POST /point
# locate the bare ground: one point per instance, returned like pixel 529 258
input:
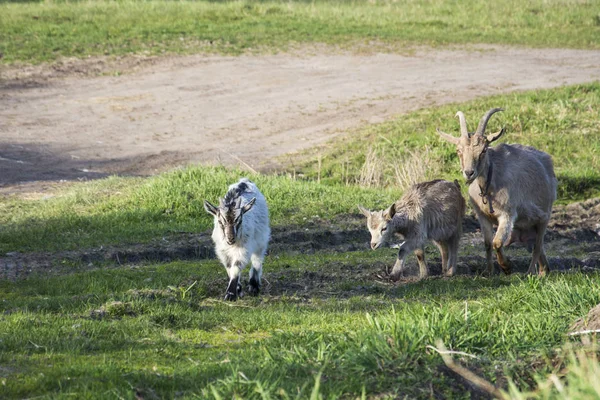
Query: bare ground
pixel 84 119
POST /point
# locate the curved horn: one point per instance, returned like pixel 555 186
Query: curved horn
pixel 463 123
pixel 484 120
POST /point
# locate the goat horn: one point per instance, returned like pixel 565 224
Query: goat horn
pixel 463 123
pixel 484 120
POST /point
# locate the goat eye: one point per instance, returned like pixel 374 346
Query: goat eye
pixel 384 229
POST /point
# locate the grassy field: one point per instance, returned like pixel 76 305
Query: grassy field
pixel 41 31
pixel 563 122
pixel 159 331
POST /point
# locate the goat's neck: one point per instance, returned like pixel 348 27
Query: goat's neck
pixel 482 179
pixel 399 223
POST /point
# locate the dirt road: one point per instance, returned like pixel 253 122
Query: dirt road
pixel 57 123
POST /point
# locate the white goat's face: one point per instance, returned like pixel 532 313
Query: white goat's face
pixel 229 217
pixel 378 223
pixel 472 147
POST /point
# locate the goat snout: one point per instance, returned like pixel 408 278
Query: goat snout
pixel 374 245
pixel 469 174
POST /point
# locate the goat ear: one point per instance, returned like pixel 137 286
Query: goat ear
pixel 211 209
pixel 364 211
pixel 445 136
pixel 495 136
pixel 248 205
pixel 390 212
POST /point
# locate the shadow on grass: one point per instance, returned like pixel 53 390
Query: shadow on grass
pixel 577 188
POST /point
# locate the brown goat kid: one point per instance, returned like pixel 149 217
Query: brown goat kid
pixel 511 186
pixel 429 210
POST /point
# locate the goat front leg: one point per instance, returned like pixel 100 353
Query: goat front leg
pixel 399 266
pixel 505 227
pixel 234 289
pixel 487 229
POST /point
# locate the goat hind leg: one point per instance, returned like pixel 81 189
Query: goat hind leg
pixel 255 274
pixel 443 248
pixel 420 253
pixel 452 255
pixel 538 250
pixel 543 263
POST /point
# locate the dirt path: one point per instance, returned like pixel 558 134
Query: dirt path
pixel 246 109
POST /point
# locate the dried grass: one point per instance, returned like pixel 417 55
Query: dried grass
pixel 415 168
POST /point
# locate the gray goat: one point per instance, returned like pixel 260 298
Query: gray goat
pixel 241 234
pixel 430 210
pixel 511 186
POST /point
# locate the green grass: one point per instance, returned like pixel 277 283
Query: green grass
pixel 44 31
pixel 563 122
pixel 108 333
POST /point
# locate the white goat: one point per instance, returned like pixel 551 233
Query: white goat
pixel 241 234
pixel 429 210
pixel 511 186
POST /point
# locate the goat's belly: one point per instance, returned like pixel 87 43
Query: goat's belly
pixel 521 235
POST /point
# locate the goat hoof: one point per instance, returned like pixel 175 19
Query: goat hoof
pixel 506 269
pixel 230 296
pixel 253 287
pixel 395 277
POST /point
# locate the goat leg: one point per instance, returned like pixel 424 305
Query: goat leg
pixel 399 266
pixel 234 289
pixel 423 273
pixel 505 227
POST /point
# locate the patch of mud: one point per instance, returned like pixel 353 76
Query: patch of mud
pixel 343 233
pixel 591 322
pixel 578 221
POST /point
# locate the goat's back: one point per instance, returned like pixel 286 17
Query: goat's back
pixel 438 207
pixel 258 216
pixel 524 179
